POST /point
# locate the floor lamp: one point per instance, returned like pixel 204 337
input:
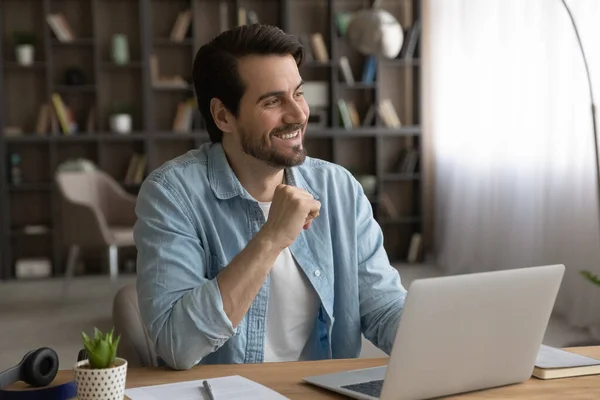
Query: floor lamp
pixel 588 274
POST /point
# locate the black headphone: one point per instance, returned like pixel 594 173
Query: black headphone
pixel 37 368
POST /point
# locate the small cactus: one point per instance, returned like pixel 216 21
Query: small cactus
pixel 102 349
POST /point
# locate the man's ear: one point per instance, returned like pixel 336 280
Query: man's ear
pixel 222 117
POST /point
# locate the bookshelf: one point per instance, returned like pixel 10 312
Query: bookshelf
pixel 155 49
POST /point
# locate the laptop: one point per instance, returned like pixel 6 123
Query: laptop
pixel 459 334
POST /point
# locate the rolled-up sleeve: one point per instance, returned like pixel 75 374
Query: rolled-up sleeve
pixel 381 293
pixel 181 308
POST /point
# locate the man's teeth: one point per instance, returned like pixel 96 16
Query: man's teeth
pixel 288 135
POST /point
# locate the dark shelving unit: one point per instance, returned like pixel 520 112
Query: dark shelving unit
pixel 147 23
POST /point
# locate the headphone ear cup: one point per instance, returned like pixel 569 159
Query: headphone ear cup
pixel 40 367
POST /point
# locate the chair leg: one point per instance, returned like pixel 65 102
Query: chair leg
pixel 71 263
pixel 113 261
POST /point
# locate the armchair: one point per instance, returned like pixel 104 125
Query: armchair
pixel 95 212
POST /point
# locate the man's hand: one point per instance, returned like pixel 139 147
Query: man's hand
pixel 292 210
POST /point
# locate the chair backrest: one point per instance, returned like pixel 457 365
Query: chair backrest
pixel 135 345
pixel 92 188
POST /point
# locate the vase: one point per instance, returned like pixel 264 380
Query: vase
pixel 120 123
pixel 102 383
pixel 24 54
pixel 120 49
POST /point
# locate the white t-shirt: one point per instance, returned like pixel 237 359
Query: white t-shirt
pixel 292 309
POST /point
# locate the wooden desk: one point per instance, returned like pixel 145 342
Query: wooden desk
pixel 285 378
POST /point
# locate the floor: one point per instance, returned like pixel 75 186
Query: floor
pixel 34 314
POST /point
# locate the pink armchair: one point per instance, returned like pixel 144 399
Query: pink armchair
pixel 95 212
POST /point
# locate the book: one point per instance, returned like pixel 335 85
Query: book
pixel 414 248
pixel 319 47
pixel 60 27
pixel 553 363
pixel 181 26
pixel 346 70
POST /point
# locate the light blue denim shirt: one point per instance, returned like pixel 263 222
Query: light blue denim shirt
pixel 194 217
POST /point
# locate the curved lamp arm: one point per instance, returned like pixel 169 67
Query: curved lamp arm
pixel 587 70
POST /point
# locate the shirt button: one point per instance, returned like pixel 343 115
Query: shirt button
pixel 317 273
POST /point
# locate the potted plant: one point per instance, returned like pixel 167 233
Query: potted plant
pixel 120 119
pixel 102 375
pixel 24 47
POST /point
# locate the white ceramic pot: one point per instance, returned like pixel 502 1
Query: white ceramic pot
pixel 120 123
pixel 101 384
pixel 24 54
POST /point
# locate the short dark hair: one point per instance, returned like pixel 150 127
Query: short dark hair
pixel 215 70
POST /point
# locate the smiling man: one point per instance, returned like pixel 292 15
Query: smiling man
pixel 249 250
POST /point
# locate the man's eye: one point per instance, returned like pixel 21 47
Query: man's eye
pixel 272 102
pixel 299 94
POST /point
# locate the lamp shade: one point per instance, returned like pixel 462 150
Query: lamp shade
pixel 375 32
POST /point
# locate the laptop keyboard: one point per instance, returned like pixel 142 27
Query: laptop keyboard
pixel 371 388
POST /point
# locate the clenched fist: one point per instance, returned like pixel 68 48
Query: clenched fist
pixel 292 210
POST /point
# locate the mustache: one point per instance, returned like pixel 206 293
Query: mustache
pixel 289 128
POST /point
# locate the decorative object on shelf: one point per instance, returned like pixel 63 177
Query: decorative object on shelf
pixel 24 47
pixel 16 175
pixel 374 31
pixel 28 268
pixel 74 76
pixel 77 165
pixel 101 375
pixel 368 183
pixel 120 119
pixel 120 49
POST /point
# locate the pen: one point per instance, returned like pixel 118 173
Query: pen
pixel 208 390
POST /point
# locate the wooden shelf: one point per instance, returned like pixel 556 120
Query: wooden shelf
pixel 363 132
pixel 400 221
pixel 36 66
pixel 31 187
pixel 75 88
pixel 358 86
pixel 166 42
pixel 415 62
pixel 107 65
pixel 159 88
pixel 401 177
pixel 19 233
pixel 317 64
pixel 85 41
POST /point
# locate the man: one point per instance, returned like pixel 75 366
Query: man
pixel 248 250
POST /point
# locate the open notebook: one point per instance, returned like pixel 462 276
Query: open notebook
pixel 554 363
pixel 228 387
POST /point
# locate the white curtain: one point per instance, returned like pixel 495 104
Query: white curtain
pixel 507 107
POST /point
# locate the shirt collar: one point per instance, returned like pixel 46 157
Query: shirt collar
pixel 225 184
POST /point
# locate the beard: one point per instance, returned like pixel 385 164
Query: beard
pixel 259 148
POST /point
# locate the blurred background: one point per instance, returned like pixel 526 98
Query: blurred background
pixel 467 122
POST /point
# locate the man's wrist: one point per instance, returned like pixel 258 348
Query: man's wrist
pixel 266 242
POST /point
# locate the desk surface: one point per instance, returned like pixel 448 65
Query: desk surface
pixel 285 378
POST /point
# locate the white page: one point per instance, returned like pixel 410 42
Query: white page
pixel 550 357
pixel 228 387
